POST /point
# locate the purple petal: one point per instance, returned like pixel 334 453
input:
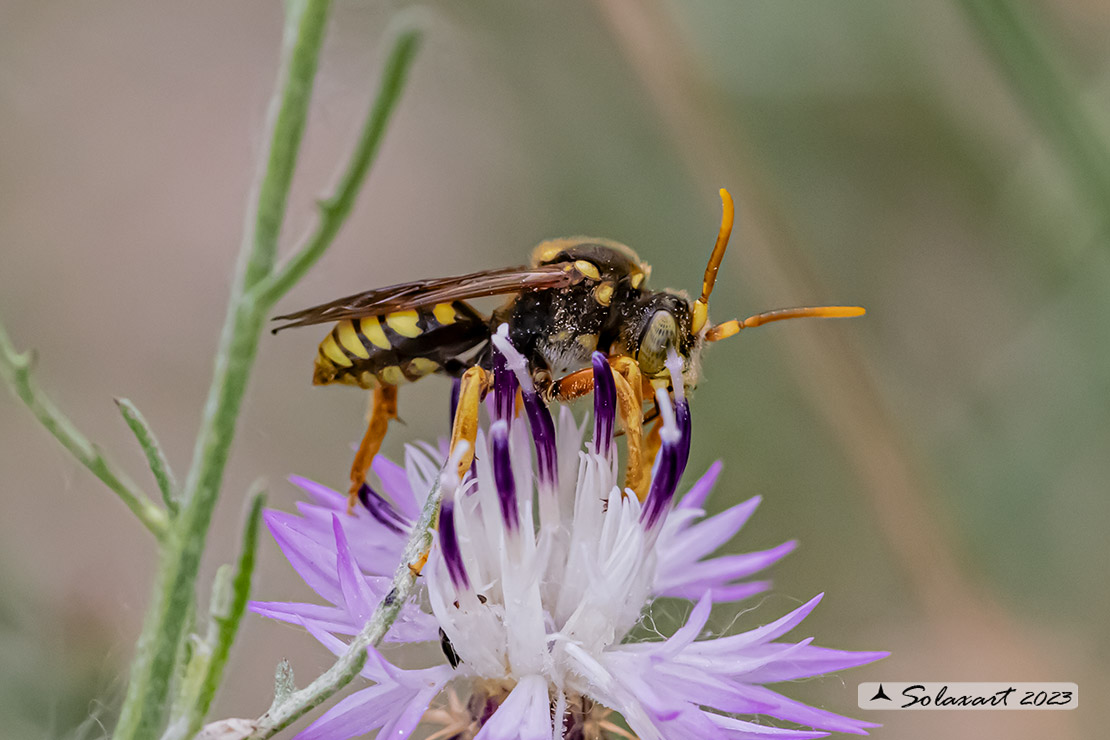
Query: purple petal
pixel 326 618
pixel 313 562
pixel 412 626
pixel 543 435
pixel 524 715
pixel 809 661
pixel 698 540
pixel 662 485
pixel 355 715
pixel 685 429
pixel 395 484
pixel 605 404
pixel 382 511
pixel 320 493
pixel 661 705
pixel 803 714
pixel 503 474
pixel 504 389
pixel 717 572
pixel 722 645
pixel 719 594
pixel 695 623
pixel 737 729
pixel 375 548
pixel 357 596
pixel 695 497
pixel 394 708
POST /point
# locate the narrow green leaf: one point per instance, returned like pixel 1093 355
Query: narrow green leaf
pixel 15 369
pixel 228 603
pixel 159 465
pixel 197 662
pixel 228 609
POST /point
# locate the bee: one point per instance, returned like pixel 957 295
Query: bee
pixel 577 295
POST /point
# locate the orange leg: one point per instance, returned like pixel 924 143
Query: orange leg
pixel 630 404
pixel 475 383
pixel 384 408
pixel 575 385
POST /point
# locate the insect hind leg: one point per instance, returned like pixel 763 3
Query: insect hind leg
pixel 384 408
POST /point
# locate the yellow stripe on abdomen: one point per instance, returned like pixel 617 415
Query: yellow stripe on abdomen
pixel 372 329
pixel 392 375
pixel 404 323
pixel 331 349
pixel 348 338
pixel 444 313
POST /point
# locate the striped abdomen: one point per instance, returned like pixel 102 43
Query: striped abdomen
pixel 399 346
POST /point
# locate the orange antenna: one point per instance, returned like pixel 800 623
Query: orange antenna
pixel 729 328
pixel 701 305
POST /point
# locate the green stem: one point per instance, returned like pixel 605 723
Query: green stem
pixel 159 465
pixel 304 34
pixel 1039 78
pixel 230 593
pixel 15 368
pixel 227 617
pixel 145 705
pixel 288 709
pixel 335 209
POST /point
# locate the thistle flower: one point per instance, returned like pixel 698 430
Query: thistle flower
pixel 534 583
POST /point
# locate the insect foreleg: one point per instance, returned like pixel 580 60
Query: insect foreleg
pixel 630 405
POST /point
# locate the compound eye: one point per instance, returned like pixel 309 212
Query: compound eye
pixel 660 334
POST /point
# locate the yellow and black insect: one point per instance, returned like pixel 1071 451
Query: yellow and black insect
pixel 578 295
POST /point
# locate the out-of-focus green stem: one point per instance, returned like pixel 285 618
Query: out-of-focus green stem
pixel 159 465
pixel 146 703
pixel 15 368
pixel 1015 35
pixel 230 592
pixel 227 616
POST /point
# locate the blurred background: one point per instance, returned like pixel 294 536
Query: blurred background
pixel 943 461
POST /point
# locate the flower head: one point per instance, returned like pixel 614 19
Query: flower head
pixel 535 580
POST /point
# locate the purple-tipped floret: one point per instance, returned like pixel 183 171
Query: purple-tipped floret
pixel 605 404
pixel 382 510
pixel 503 475
pixel 449 543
